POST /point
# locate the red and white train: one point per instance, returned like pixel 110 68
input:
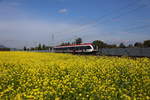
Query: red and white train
pixel 75 48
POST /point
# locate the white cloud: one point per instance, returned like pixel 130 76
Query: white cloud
pixel 10 2
pixel 24 32
pixel 27 32
pixel 62 11
pixel 18 30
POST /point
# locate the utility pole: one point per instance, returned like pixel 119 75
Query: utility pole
pixel 53 37
pixel 51 42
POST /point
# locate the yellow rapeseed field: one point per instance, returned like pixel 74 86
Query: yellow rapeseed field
pixel 52 76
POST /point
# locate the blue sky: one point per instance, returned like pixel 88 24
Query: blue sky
pixel 29 22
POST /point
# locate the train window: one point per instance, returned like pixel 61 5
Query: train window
pixel 74 48
pixel 58 48
pixel 88 47
pixel 81 48
pixel 85 47
pixel 77 48
pixel 55 48
pixel 71 48
pixel 65 48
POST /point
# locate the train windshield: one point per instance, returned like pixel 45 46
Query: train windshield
pixel 87 47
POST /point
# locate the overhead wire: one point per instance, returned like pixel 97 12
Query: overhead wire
pixel 102 17
pixel 96 22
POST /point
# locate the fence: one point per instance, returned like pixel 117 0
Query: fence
pixel 138 52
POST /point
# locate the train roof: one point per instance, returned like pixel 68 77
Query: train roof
pixel 72 45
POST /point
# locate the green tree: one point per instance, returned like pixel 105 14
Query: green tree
pixel 111 45
pixel 130 46
pixel 68 43
pixel 32 48
pixel 146 43
pixel 122 45
pixel 78 41
pixel 99 44
pixel 138 44
pixel 24 48
pixel 43 47
pixel 65 43
pixel 62 44
pixel 39 46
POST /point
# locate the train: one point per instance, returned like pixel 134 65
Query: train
pixel 76 48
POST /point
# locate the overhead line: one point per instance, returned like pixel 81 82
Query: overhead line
pixel 103 16
pixel 118 16
pixel 94 23
pixel 138 27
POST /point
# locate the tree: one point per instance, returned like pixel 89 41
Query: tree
pixel 62 44
pixel 28 49
pixel 73 43
pixel 130 46
pixel 32 48
pixel 43 47
pixel 78 41
pixel 146 43
pixel 98 44
pixel 24 48
pixel 111 46
pixel 39 46
pixel 68 43
pixel 122 45
pixel 138 44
